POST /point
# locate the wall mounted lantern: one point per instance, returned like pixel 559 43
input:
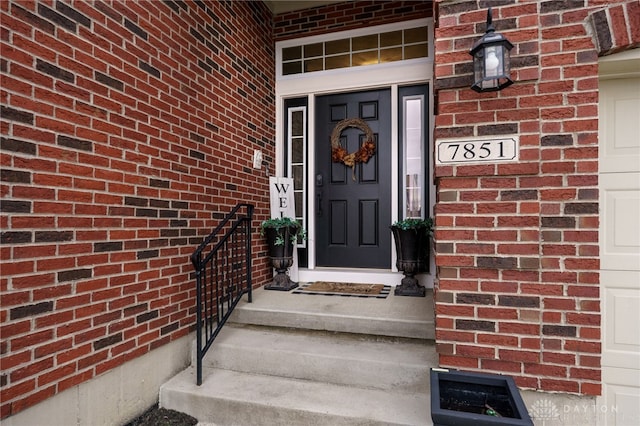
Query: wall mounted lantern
pixel 491 60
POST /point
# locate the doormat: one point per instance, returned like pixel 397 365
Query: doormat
pixel 326 288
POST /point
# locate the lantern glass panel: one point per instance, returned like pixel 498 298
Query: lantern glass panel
pixel 493 61
pixel 478 65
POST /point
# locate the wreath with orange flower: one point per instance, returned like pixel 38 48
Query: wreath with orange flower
pixel 362 155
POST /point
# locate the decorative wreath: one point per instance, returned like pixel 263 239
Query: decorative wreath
pixel 366 151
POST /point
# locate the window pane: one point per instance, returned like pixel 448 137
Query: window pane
pixel 391 55
pixel 297 124
pixel 297 156
pixel 414 203
pixel 312 50
pixel 393 38
pixel 416 51
pixel 290 53
pixel 333 62
pixel 365 42
pixel 365 58
pixel 415 35
pixel 414 168
pixel 297 176
pixel 337 46
pixel 313 65
pixel 291 68
pixel 297 197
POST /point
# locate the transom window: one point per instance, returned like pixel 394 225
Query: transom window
pixel 356 51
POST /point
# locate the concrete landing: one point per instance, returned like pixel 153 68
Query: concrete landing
pixel 397 316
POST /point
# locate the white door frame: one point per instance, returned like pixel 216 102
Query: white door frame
pixel 620 260
pixel 388 75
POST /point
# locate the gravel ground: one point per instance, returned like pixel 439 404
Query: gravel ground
pixel 156 416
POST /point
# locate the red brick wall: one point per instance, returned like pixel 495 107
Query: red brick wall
pixel 347 16
pixel 128 130
pixel 517 244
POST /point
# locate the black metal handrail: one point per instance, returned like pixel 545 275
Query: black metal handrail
pixel 223 276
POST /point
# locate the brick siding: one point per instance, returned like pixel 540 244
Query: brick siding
pixel 517 244
pixel 128 130
pixel 347 16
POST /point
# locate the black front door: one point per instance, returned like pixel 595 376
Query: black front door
pixel 353 207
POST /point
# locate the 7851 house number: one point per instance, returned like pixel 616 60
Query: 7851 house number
pixel 474 151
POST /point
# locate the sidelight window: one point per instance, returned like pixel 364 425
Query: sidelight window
pixel 296 142
pixel 413 141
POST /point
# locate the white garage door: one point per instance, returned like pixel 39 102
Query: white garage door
pixel 620 238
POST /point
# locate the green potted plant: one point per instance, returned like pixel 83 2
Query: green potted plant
pixel 411 238
pixel 282 235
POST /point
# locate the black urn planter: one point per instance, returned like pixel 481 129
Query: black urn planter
pixel 280 250
pixel 412 249
pixel 463 398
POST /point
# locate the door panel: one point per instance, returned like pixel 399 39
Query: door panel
pixel 354 211
pixel 368 222
pixel 338 224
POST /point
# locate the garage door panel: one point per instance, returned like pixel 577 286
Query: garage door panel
pixel 620 195
pixel 625 334
pixel 620 125
pixel 621 394
pixel 621 299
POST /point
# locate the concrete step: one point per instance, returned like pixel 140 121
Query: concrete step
pixel 236 398
pixel 296 359
pixel 347 359
pixel 396 316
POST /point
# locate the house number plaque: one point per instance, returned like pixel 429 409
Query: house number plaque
pixel 477 151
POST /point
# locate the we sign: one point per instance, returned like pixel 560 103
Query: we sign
pixel 281 196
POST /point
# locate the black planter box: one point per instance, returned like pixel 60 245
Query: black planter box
pixel 460 398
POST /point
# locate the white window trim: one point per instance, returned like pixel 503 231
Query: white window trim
pixel 353 78
pixel 352 34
